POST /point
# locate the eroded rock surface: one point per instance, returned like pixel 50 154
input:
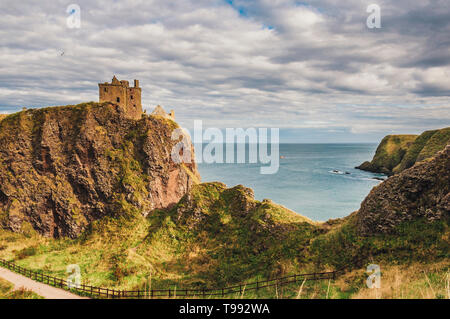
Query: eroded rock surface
pixel 420 191
pixel 63 167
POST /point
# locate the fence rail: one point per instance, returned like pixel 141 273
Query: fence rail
pixel 99 292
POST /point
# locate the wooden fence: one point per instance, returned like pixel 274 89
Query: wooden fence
pixel 98 292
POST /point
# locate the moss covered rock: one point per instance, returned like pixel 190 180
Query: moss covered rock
pixel 63 167
pixel 420 191
pixel 226 236
pixel 399 152
pixel 389 153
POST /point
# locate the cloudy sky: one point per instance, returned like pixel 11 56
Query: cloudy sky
pixel 313 69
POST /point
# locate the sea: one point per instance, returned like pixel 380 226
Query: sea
pixel 318 181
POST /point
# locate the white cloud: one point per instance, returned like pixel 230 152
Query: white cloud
pixel 256 63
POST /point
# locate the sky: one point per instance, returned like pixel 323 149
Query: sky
pixel 313 69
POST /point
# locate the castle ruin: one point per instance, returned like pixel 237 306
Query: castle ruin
pixel 128 98
pixel 120 93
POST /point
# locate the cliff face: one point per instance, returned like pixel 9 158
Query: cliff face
pixel 420 191
pixel 425 146
pixel 389 153
pixel 63 167
pixel 404 219
pixel 399 152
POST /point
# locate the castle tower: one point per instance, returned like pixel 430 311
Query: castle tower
pixel 120 93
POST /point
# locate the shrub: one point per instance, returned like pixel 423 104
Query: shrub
pixel 26 252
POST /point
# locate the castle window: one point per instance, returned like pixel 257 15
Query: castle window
pixel 118 99
pixel 131 96
pixel 105 89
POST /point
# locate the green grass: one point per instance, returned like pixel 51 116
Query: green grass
pixel 424 147
pixel 217 237
pixel 390 152
pixel 7 292
pixel 417 240
pixel 396 153
pixel 214 237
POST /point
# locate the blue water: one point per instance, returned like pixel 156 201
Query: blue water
pixel 305 181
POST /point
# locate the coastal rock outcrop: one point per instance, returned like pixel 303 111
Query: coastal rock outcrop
pixel 396 153
pixel 63 167
pixel 389 154
pixel 420 191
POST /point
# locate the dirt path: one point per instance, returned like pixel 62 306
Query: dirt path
pixel 41 289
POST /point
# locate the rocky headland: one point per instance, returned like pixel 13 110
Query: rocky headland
pixel 396 153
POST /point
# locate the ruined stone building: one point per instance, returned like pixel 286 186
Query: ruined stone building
pixel 120 92
pixel 159 111
pixel 128 98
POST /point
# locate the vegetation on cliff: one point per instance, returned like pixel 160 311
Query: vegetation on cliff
pixel 404 219
pixel 425 146
pixel 215 236
pixel 63 167
pixel 389 153
pixel 396 153
pixel 104 187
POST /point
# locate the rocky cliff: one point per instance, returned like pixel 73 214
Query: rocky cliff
pixel 425 146
pixel 420 191
pixel 404 219
pixel 396 153
pixel 63 167
pixel 389 153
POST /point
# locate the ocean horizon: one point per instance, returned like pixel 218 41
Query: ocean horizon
pixel 316 180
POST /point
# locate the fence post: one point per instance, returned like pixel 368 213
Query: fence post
pixel 151 293
pixel 223 293
pixel 107 292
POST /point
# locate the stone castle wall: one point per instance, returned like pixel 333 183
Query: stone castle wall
pixel 120 93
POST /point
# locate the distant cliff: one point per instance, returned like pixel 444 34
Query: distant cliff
pixel 405 218
pixel 399 152
pixel 63 167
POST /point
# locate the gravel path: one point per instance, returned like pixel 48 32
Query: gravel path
pixel 41 289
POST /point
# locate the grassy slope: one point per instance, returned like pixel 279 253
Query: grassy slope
pixel 389 153
pixel 7 292
pixel 425 146
pixel 229 246
pixel 412 241
pixel 216 237
pixel 227 237
pixel 396 153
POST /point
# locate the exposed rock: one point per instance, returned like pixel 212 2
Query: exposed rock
pixel 424 146
pixel 420 191
pixel 388 154
pixel 399 152
pixel 63 167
